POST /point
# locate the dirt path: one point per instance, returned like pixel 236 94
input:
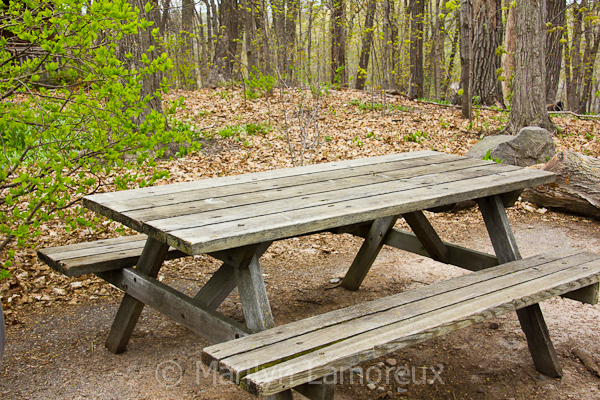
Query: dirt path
pixel 57 352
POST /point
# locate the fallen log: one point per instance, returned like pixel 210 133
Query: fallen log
pixel 577 187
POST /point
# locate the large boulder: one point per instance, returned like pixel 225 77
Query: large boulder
pixel 532 145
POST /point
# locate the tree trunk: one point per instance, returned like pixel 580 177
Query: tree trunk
pixel 367 41
pixel 188 66
pixel 487 38
pixel 555 22
pixel 416 10
pixel 577 187
pixel 390 37
pixel 338 43
pixel 508 57
pixel 450 68
pixel 438 55
pixel 466 57
pixel 136 45
pixel 226 47
pixel 529 85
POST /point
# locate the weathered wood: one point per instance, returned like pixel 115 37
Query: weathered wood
pixel 126 198
pixel 577 187
pixel 427 236
pixel 452 305
pixel 531 318
pixel 213 326
pixel 368 252
pixel 586 295
pixel 305 193
pixel 130 309
pixel 342 316
pixel 458 256
pixel 223 280
pixel 334 195
pixel 321 217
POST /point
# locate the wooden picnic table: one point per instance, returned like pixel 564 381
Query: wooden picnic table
pixel 236 218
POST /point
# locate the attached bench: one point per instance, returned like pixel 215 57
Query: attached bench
pixel 292 355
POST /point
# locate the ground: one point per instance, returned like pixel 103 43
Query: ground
pixel 56 326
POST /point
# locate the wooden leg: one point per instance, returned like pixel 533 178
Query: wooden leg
pixel 368 252
pixel 218 287
pixel 149 263
pixel 427 236
pixel 255 303
pixel 531 318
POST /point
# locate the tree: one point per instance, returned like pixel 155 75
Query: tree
pixel 579 68
pixel 487 39
pixel 529 85
pixel 228 33
pixel 466 57
pixel 555 22
pixel 338 43
pixel 367 42
pixel 416 9
pixel 188 67
pixel 71 111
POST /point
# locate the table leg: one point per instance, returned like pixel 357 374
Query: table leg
pixel 531 318
pixel 149 263
pixel 218 287
pixel 368 252
pixel 255 303
pixel 427 236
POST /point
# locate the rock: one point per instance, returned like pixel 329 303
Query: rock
pixel 532 145
pixel 381 389
pixel 372 386
pixel 494 325
pixel 577 186
pixel 334 280
pixel 390 394
pixel 391 362
pixel 357 371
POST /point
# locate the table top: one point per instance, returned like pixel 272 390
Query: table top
pixel 224 213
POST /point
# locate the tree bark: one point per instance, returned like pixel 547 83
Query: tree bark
pixel 529 85
pixel 577 187
pixel 508 57
pixel 416 10
pixel 466 57
pixel 338 43
pixel 367 41
pixel 487 38
pixel 188 66
pixel 450 68
pixel 226 47
pixel 556 21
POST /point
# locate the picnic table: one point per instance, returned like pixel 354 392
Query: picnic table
pixel 236 218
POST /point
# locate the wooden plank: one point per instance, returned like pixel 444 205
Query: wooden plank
pixel 393 337
pixel 53 251
pixel 427 236
pixel 322 337
pixel 253 294
pixel 207 323
pixel 223 281
pixel 214 196
pixel 288 224
pixel 531 318
pixel 585 295
pixel 368 252
pixel 332 187
pixel 458 256
pixel 337 317
pixel 176 188
pixel 130 309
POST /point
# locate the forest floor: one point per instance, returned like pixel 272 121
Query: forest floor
pixel 56 326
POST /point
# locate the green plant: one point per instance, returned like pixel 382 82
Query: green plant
pixel 328 138
pixel 357 141
pixel 257 129
pixel 416 137
pixel 259 84
pixel 370 135
pixel 91 129
pixel 589 136
pixel 488 157
pixel 373 106
pixel 229 131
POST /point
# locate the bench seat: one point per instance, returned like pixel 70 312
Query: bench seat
pixel 98 256
pixel 294 354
